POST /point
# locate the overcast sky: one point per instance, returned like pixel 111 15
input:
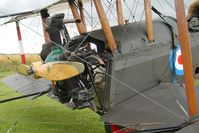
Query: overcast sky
pixel 13 6
pixel 33 41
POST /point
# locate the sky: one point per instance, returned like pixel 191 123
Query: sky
pixel 23 5
pixel 32 30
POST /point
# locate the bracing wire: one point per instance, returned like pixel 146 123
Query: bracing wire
pixel 20 116
pixel 137 92
pixel 131 14
pixel 170 5
pixel 110 6
pixel 122 82
pixel 161 6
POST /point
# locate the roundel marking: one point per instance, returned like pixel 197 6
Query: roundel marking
pixel 176 61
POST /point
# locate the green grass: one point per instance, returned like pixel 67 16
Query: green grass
pixel 10 62
pixel 42 115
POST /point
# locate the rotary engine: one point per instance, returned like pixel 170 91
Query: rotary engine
pixel 83 90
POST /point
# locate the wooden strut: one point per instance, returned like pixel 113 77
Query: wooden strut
pixel 187 58
pixel 149 23
pixel 120 12
pixel 105 25
pixel 44 16
pixel 80 26
pixel 82 16
pixel 23 58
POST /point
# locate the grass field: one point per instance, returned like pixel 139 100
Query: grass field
pixel 42 115
pixel 9 62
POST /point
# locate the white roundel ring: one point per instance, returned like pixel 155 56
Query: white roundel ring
pixel 178 61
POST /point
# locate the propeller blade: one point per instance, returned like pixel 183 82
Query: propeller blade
pixel 23 69
pixel 56 71
pixel 53 71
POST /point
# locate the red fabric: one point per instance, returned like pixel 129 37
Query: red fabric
pixel 23 59
pixel 117 129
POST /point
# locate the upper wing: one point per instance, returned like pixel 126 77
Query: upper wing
pixel 27 11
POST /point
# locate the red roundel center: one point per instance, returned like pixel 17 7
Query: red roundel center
pixel 180 59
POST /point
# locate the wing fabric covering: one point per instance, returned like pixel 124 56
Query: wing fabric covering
pixel 26 9
pixel 193 128
pixel 162 108
pixel 27 85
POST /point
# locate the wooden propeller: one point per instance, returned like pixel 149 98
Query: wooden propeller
pixel 53 71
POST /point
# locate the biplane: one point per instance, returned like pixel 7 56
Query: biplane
pixel 138 76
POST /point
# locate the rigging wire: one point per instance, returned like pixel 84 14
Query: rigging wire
pixel 136 7
pixel 53 121
pixel 28 36
pixel 138 92
pixel 161 6
pixel 91 15
pixel 14 124
pixel 173 46
pixel 130 11
pixel 95 22
pixel 173 8
pixel 177 101
pixel 16 121
pixel 163 75
pixel 20 116
pixel 155 102
pixel 127 59
pixel 13 61
pixel 110 6
pixel 23 89
pixel 131 14
pixel 170 5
